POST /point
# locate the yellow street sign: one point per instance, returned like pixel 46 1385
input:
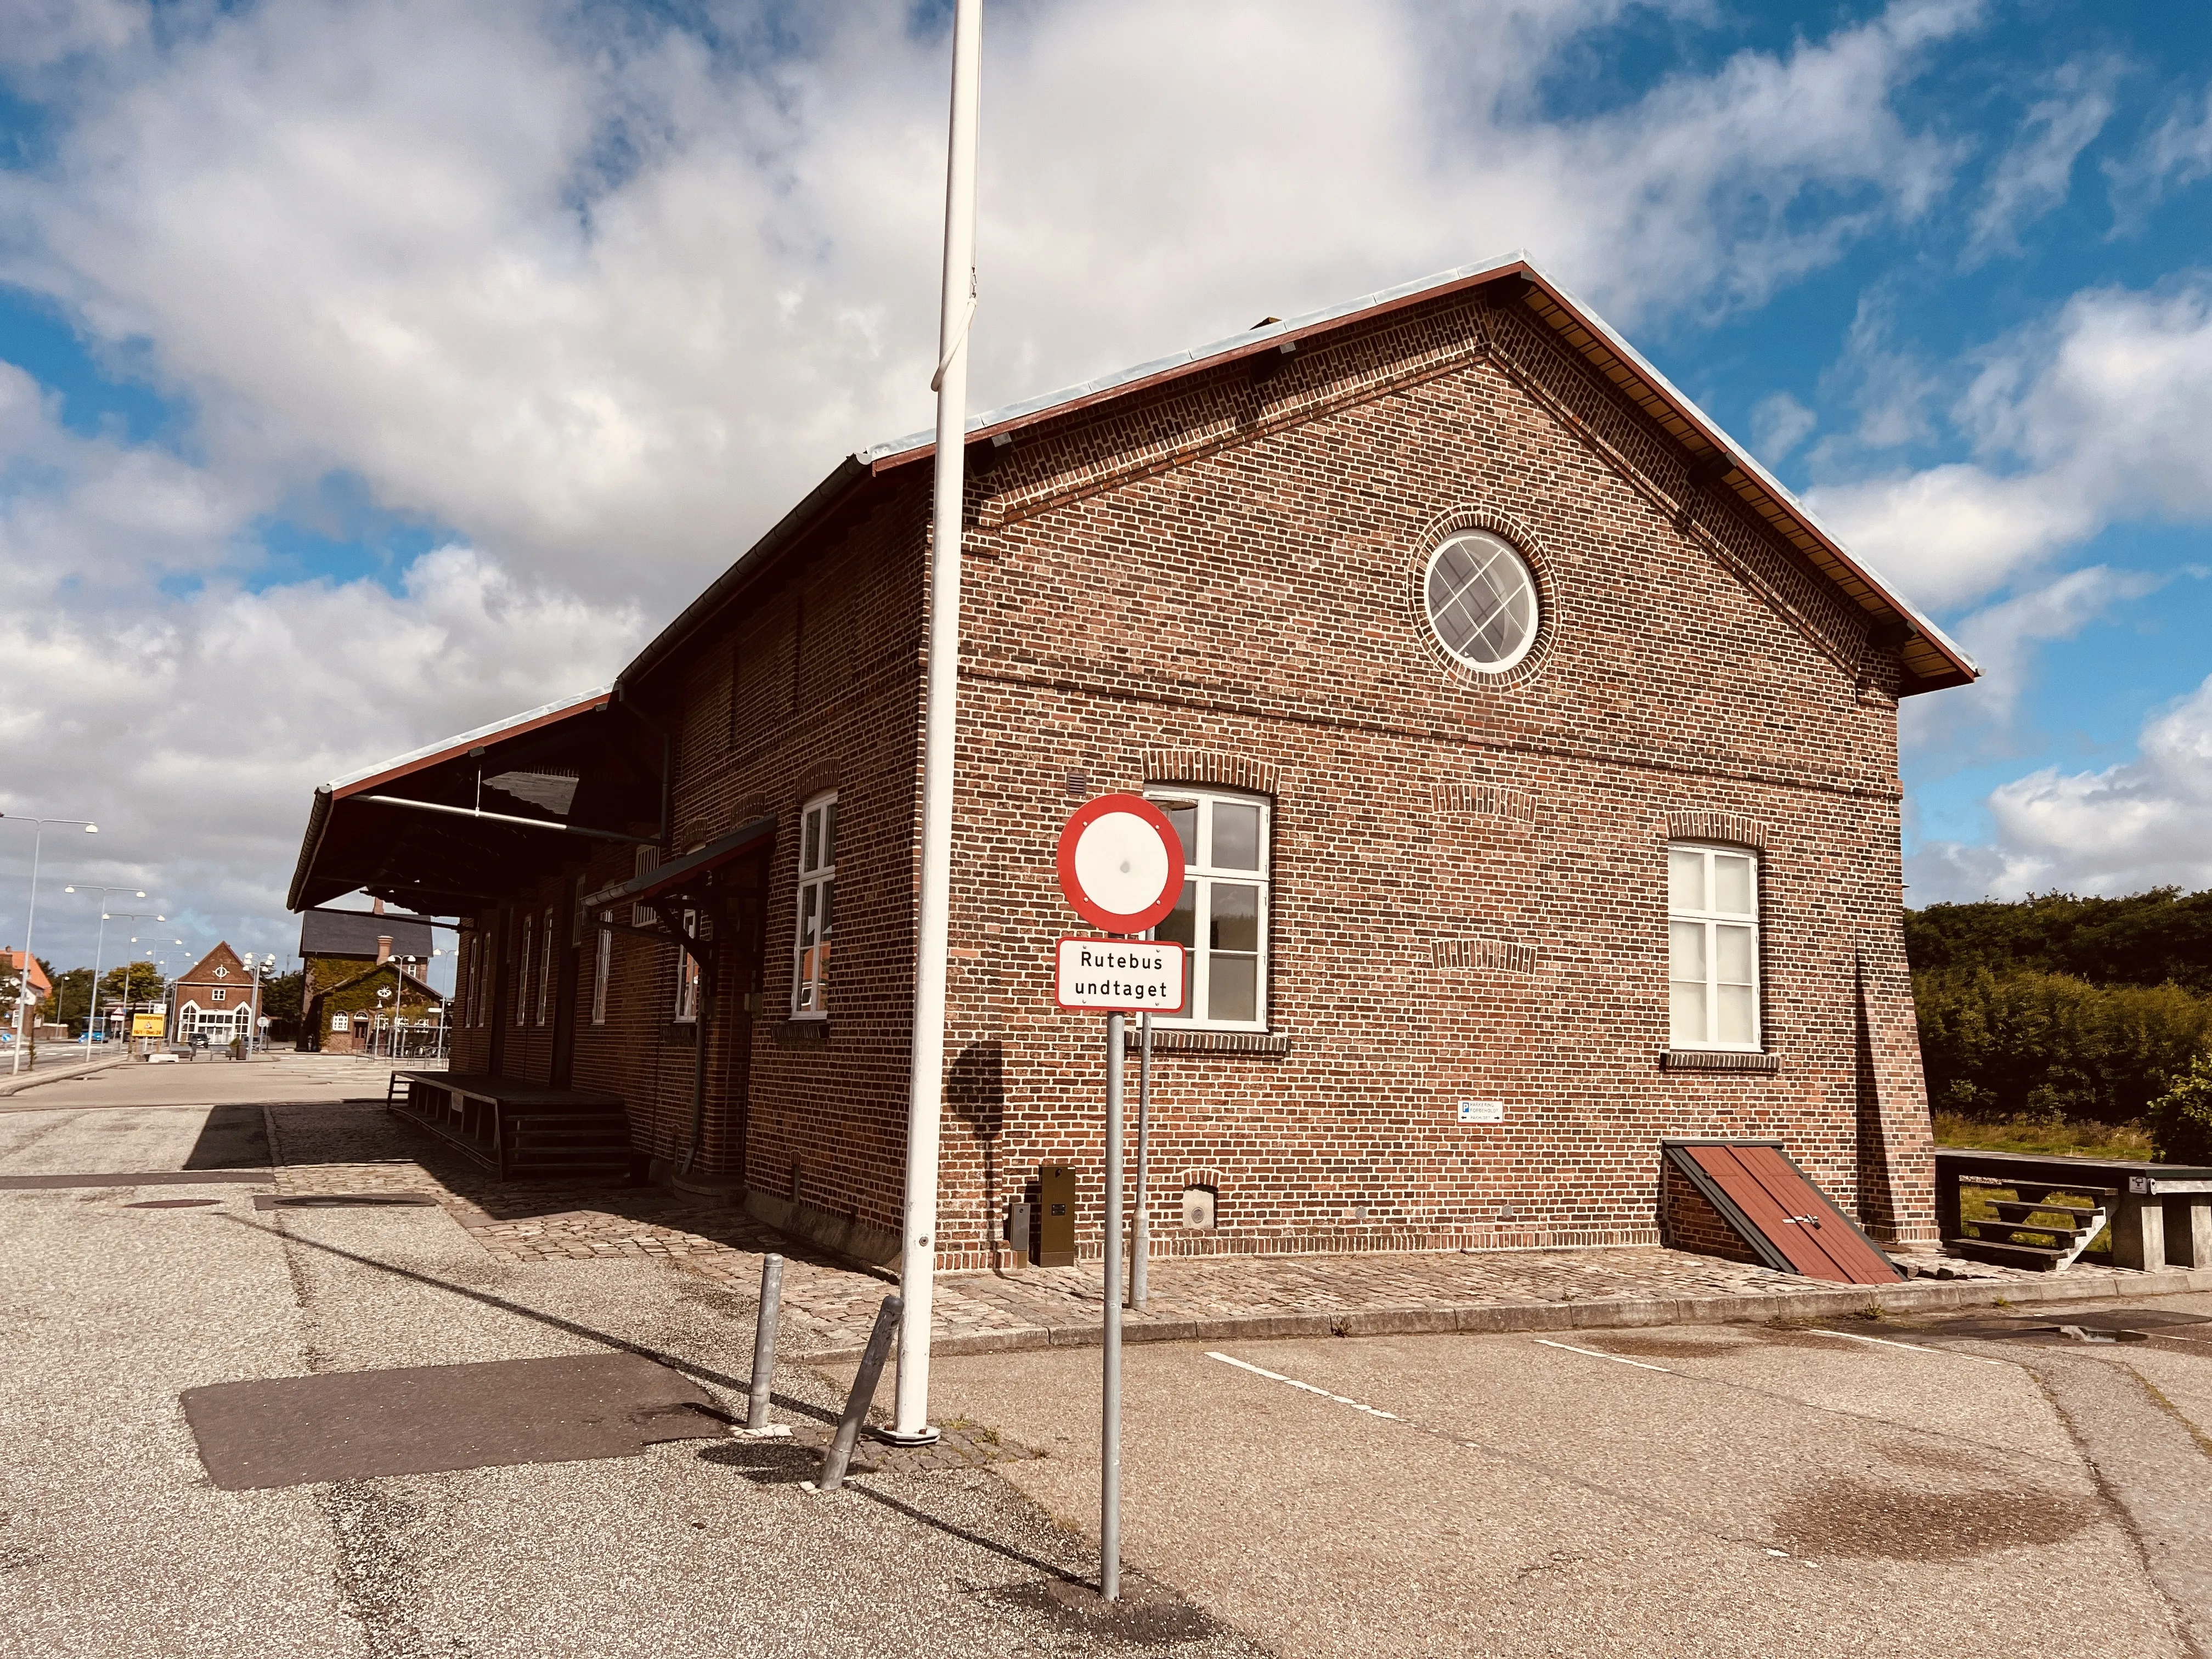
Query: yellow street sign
pixel 150 1025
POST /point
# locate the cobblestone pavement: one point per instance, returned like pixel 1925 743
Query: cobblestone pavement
pixel 829 1303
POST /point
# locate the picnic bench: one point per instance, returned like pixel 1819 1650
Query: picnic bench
pixel 519 1130
pixel 2161 1214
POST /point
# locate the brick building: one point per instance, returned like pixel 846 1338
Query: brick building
pixel 217 997
pixel 1536 753
pixel 341 953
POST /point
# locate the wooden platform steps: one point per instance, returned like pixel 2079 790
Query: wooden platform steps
pixel 2059 1243
pixel 520 1131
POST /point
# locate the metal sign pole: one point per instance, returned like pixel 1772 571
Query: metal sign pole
pixel 1110 1431
pixel 1141 1235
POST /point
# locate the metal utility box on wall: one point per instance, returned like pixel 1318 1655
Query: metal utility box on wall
pixel 1055 1216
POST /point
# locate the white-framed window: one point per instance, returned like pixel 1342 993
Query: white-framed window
pixel 1221 918
pixel 545 974
pixel 647 860
pixel 602 966
pixel 687 975
pixel 1481 600
pixel 1712 947
pixel 217 994
pixel 522 982
pixel 817 894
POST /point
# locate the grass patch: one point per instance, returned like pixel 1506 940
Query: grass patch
pixel 2045 1137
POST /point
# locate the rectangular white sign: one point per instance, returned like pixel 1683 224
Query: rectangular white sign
pixel 1134 975
pixel 1482 1111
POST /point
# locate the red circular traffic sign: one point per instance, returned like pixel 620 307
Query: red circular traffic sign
pixel 1120 863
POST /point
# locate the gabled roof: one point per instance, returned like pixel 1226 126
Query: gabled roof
pixel 222 956
pixel 41 987
pixel 1930 656
pixel 355 933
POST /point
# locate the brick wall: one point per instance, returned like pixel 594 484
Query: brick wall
pixel 1220 583
pixel 1688 1221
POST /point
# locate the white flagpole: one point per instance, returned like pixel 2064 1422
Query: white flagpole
pixel 926 1088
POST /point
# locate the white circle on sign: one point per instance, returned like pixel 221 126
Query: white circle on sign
pixel 1120 863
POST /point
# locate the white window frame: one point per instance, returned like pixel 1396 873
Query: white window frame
pixel 602 967
pixel 522 979
pixel 687 977
pixel 545 973
pixel 1201 873
pixel 1711 922
pixel 816 892
pixel 217 994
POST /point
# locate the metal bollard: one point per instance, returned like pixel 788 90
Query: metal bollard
pixel 771 1310
pixel 834 1460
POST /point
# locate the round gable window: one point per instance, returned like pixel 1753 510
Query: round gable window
pixel 1481 600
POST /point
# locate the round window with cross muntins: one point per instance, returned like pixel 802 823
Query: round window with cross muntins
pixel 1481 601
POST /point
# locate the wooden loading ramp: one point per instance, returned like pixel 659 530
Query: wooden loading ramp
pixel 1780 1216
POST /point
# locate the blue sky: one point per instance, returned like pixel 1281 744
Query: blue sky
pixel 368 370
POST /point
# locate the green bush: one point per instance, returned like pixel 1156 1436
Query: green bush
pixel 2050 1046
pixel 2181 1118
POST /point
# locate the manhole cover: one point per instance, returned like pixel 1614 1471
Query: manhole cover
pixel 173 1204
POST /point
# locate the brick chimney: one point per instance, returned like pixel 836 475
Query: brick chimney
pixel 384 947
pixel 376 907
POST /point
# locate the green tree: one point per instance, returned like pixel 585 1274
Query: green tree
pixel 2181 1118
pixel 2144 938
pixel 131 982
pixel 280 1002
pixel 2051 1045
pixel 72 999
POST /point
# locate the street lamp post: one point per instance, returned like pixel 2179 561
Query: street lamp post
pixel 267 959
pixel 99 947
pixel 132 915
pixel 23 984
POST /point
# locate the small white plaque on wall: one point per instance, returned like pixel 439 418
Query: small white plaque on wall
pixel 1482 1111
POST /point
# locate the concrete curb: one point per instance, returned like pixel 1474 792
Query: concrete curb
pixel 16 1085
pixel 1610 1313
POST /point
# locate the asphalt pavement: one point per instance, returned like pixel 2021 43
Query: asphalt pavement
pixel 115 1540
pixel 1969 1484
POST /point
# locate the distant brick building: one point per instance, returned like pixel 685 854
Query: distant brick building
pixel 347 958
pixel 217 997
pixel 1534 751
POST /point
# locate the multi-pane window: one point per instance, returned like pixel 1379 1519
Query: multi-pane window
pixel 646 862
pixel 1712 947
pixel 1221 918
pixel 818 893
pixel 217 994
pixel 545 973
pixel 602 966
pixel 522 983
pixel 687 974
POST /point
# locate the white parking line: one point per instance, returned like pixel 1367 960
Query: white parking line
pixel 1277 1377
pixel 1599 1353
pixel 1911 1347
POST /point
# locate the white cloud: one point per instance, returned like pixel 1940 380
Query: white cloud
pixel 1778 424
pixel 2002 639
pixel 2036 174
pixel 606 300
pixel 2145 823
pixel 194 736
pixel 388 237
pixel 2176 156
pixel 2093 418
